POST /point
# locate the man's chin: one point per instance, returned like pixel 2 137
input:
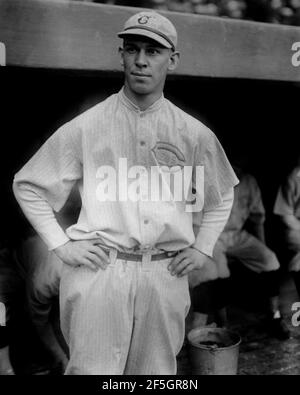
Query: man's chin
pixel 140 89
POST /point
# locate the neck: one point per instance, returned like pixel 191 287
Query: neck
pixel 141 101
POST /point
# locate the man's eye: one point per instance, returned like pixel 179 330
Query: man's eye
pixel 130 50
pixel 152 51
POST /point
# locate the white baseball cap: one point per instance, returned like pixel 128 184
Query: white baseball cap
pixel 152 25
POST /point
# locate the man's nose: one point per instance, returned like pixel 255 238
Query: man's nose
pixel 141 60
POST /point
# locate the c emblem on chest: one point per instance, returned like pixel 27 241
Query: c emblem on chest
pixel 167 154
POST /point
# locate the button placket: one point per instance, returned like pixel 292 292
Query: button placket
pixel 145 220
pixel 148 224
pixel 142 134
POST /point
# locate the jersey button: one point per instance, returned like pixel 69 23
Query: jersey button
pixel 142 143
pixel 146 221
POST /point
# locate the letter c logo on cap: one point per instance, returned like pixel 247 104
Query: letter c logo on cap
pixel 143 20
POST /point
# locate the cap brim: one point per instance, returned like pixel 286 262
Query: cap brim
pixel 145 33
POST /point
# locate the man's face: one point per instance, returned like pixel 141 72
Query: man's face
pixel 146 64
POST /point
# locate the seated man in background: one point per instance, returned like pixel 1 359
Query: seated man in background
pixel 10 286
pixel 249 248
pixel 25 269
pixel 287 207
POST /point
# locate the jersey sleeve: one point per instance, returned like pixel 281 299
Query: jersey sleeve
pixel 219 176
pixel 43 185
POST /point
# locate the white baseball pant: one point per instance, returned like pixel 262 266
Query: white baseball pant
pixel 127 319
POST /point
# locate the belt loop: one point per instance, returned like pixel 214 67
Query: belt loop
pixel 112 256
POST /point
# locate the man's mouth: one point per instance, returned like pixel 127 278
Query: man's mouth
pixel 137 74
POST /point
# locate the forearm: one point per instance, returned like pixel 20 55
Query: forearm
pixel 212 225
pixel 291 222
pixel 40 214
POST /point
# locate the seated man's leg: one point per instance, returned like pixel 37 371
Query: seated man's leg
pixel 10 285
pixel 202 301
pixel 290 251
pixel 42 288
pixel 296 276
pixel 210 295
pixel 5 365
pixel 257 257
pixel 210 298
pixel 294 268
pixel 254 254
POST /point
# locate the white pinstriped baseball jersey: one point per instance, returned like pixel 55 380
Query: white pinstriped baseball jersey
pixel 114 129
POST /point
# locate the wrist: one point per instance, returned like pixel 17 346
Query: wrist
pixel 60 249
pixel 201 252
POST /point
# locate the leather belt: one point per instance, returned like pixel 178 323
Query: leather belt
pixel 139 257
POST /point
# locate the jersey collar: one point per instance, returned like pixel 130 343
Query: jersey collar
pixel 129 104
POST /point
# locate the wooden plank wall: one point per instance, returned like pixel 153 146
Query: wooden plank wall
pixel 82 36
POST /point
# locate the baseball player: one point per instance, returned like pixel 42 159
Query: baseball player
pixel 124 290
pixel 287 207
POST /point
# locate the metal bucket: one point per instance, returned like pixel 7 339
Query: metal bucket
pixel 213 351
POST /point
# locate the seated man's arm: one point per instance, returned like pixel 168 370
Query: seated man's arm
pixel 291 222
pixel 256 220
pixel 287 197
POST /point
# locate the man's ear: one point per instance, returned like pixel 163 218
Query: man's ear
pixel 174 60
pixel 121 53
